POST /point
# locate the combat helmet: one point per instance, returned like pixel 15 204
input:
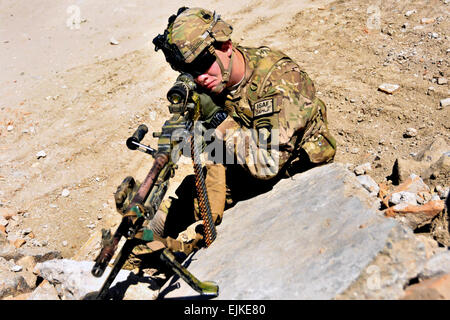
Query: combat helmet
pixel 189 39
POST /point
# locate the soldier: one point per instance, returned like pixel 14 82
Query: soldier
pixel 263 110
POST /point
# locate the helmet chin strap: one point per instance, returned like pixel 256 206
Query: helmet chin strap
pixel 225 73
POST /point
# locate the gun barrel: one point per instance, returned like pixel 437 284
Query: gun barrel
pixel 107 252
pixel 161 160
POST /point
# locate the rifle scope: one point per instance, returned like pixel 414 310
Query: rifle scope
pixel 181 89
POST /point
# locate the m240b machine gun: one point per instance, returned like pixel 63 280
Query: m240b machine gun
pixel 176 131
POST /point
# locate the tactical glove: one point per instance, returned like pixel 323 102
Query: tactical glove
pixel 211 114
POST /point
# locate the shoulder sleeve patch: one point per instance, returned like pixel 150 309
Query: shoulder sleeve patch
pixel 263 107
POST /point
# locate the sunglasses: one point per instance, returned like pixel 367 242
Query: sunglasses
pixel 199 66
pixel 201 63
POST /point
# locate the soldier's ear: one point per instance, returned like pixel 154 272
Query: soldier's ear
pixel 227 47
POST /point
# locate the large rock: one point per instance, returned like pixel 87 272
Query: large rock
pixel 45 291
pixel 431 163
pixel 73 280
pixel 416 216
pixel 6 249
pixel 431 289
pixel 317 235
pixel 438 265
pixel 20 279
pixel 11 283
pixel 40 254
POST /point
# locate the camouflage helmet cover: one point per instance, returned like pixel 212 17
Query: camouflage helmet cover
pixel 195 29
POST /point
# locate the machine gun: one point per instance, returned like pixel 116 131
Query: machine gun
pixel 175 131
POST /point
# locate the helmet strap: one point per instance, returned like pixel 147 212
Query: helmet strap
pixel 225 73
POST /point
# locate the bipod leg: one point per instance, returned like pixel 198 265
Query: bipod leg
pixel 117 266
pixel 207 288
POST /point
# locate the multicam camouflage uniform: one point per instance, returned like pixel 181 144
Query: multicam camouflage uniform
pixel 276 127
pixel 275 95
pixel 277 101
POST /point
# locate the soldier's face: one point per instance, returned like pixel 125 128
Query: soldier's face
pixel 211 78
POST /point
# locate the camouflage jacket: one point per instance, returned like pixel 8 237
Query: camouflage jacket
pixel 273 112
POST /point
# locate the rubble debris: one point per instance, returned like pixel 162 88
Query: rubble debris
pixel 41 154
pixel 431 289
pixel 19 242
pixel 410 132
pixel 442 81
pixel 369 184
pixel 410 12
pixel 432 161
pixel 437 265
pixel 414 184
pixel 65 193
pixel 427 20
pixel 444 102
pixel 362 169
pixel 442 192
pixel 403 197
pixel 45 291
pixel 388 88
pixel 416 216
pixel 113 41
pixel 7 213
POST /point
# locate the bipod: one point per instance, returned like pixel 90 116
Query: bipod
pixel 206 288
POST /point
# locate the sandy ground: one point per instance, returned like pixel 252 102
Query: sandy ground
pixel 66 90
